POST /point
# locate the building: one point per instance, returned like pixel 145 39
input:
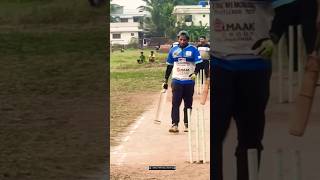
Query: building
pixel 124 33
pixel 128 27
pixel 193 14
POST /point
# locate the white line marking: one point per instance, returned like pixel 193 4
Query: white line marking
pixel 138 123
pixel 118 148
pixel 121 159
pixel 136 126
pixel 126 139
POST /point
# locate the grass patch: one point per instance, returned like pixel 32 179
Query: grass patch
pixel 35 12
pixel 53 80
pixel 60 63
pixel 21 42
pixel 128 59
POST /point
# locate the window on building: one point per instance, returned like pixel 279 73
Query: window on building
pixel 124 20
pixel 188 18
pixel 136 19
pixel 132 34
pixel 116 36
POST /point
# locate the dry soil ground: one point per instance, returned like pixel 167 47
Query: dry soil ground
pixel 145 144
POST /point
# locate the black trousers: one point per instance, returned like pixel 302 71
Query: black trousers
pixel 181 92
pixel 243 96
pixel 205 65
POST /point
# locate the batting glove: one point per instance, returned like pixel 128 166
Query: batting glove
pixel 165 84
pixel 264 47
pixel 193 76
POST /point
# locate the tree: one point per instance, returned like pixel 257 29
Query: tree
pixel 195 31
pixel 185 2
pixel 162 23
pixel 161 19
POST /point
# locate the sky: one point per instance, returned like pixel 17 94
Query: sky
pixel 129 4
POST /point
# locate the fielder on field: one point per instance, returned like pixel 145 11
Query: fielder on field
pixel 183 61
pixel 204 49
pixel 244 33
pixel 141 59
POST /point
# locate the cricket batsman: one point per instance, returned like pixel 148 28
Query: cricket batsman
pixel 184 63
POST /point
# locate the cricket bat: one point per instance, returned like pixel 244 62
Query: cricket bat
pixel 299 120
pixel 161 102
pixel 205 92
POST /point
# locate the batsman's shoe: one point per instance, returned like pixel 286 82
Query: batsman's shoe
pixel 185 127
pixel 174 129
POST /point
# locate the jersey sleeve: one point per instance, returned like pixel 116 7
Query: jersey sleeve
pixel 278 3
pixel 170 59
pixel 197 57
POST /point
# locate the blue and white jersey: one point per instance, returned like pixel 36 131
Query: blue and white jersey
pixel 237 25
pixel 184 62
pixel 175 44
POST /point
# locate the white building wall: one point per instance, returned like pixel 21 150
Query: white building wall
pixel 196 18
pixel 130 20
pixel 126 28
pixel 125 37
pixel 196 11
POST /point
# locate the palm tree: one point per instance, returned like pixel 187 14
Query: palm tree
pixel 195 31
pixel 161 22
pixel 161 19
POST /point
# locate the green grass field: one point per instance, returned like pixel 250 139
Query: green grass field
pixel 53 80
pixel 32 13
pixel 131 83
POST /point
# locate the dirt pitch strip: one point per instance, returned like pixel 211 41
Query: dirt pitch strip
pixel 147 144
